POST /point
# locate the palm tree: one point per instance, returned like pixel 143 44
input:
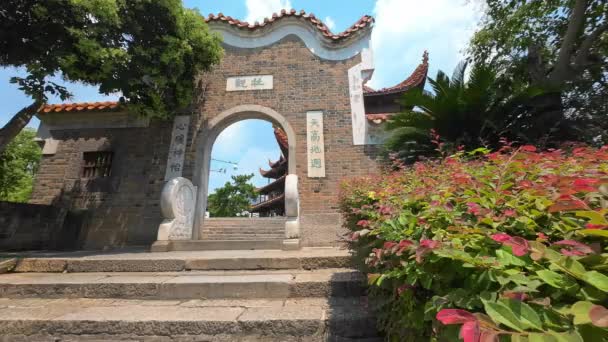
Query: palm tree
pixel 469 113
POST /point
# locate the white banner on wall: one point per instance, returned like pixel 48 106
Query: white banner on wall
pixel 177 150
pixel 315 144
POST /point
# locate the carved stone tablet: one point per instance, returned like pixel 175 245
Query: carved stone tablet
pixel 178 201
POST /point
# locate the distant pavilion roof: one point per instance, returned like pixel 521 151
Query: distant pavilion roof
pixel 365 22
pixel 270 203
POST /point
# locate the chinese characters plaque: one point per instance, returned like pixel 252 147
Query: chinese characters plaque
pixel 175 161
pixel 240 83
pixel 315 144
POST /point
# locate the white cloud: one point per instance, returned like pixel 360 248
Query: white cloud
pixel 405 28
pixel 231 139
pixel 257 10
pixel 331 24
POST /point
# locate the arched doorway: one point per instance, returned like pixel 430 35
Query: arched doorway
pixel 207 137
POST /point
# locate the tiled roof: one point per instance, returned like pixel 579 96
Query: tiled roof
pixel 276 171
pixel 279 200
pixel 81 107
pixel 365 22
pixel 273 185
pixel 279 133
pixel 416 79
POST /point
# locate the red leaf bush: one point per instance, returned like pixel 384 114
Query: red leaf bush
pixel 509 245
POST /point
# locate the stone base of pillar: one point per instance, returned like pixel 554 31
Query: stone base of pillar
pixel 160 246
pixel 291 245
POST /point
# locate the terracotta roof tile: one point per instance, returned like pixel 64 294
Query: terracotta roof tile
pixel 80 107
pixel 365 21
pixel 281 137
pixel 416 79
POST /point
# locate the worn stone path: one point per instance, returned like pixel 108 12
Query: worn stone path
pixel 262 295
pixel 133 318
pixel 139 260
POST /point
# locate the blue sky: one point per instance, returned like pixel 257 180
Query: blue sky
pixel 403 30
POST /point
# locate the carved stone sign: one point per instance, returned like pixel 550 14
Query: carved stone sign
pixel 175 161
pixel 315 144
pixel 177 203
pixel 240 83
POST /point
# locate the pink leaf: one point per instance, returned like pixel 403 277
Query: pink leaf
pixel 510 213
pixel 528 148
pixel 501 237
pixel 363 223
pixel 599 316
pixel 431 244
pixel 519 245
pixel 574 248
pixel 455 316
pixel 469 332
pixel 596 226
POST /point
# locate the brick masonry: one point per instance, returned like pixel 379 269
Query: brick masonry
pixel 125 209
pixel 302 82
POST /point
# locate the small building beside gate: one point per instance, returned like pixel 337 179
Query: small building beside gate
pixel 289 70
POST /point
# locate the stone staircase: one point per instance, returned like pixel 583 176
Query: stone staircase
pixel 237 234
pixel 229 229
pixel 261 295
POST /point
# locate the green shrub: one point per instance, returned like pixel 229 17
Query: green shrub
pixel 509 245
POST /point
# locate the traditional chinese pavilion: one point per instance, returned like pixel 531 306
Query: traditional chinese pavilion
pixel 272 195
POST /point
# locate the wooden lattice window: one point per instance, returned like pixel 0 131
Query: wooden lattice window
pixel 96 164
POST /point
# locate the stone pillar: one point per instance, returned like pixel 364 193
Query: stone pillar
pixel 178 202
pixel 292 212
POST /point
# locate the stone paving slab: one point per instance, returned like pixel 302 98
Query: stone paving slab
pixel 143 261
pixel 185 285
pixel 232 320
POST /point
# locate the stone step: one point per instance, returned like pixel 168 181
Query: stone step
pixel 303 319
pixel 222 245
pixel 141 261
pixel 245 230
pixel 242 237
pixel 185 285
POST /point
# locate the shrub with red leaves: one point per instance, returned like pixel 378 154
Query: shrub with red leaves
pixel 510 244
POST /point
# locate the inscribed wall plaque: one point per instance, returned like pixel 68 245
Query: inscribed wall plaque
pixel 315 144
pixel 177 150
pixel 240 83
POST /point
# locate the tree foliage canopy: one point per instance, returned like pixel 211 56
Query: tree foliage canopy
pixel 548 42
pixel 558 46
pixel 233 198
pixel 18 164
pixel 461 113
pixel 150 51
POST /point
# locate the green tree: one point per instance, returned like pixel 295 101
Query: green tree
pixel 469 113
pixel 18 165
pixel 151 51
pixel 558 47
pixel 233 198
